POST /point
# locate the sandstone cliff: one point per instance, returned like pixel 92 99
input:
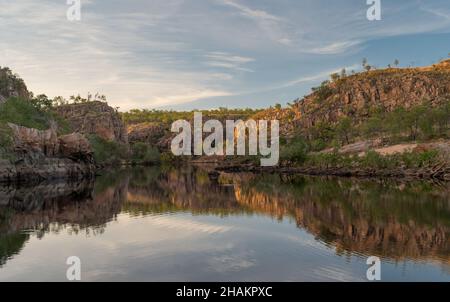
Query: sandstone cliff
pixel 11 85
pixel 42 155
pixel 151 133
pixel 357 96
pixel 95 118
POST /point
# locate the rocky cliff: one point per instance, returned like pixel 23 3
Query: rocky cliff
pixel 95 118
pixel 357 96
pixel 158 134
pixel 11 85
pixel 42 155
pixel 151 133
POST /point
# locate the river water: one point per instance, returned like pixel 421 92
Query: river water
pixel 167 224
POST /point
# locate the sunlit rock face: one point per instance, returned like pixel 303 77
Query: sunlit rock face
pixel 95 118
pixel 355 96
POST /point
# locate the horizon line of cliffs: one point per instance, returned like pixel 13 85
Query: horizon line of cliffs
pixel 353 96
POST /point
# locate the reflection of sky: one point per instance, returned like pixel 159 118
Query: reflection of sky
pixel 211 53
pixel 182 247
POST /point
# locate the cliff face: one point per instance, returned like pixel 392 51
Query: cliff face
pixel 356 96
pixel 42 155
pixel 159 134
pixel 95 118
pixel 146 132
pixel 11 85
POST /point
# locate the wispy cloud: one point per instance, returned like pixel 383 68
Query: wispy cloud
pixel 275 27
pixel 226 60
pixel 438 12
pixel 335 47
pixel 163 53
pixel 318 76
pixel 256 14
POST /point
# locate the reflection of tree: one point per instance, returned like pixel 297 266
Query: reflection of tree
pixel 11 244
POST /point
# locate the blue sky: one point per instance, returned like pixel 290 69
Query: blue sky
pixel 186 54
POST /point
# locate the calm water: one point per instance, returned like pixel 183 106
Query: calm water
pixel 158 224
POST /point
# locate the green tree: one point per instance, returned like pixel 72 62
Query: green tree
pixel 345 130
pixel 334 77
pixel 41 101
pixel 364 62
pixel 374 126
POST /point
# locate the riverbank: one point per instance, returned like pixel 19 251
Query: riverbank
pixel 44 169
pixel 439 172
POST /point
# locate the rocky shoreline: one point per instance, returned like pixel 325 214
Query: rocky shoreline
pixel 22 172
pixel 439 172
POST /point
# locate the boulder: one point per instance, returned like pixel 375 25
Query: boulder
pixel 75 146
pixel 42 155
pixel 30 140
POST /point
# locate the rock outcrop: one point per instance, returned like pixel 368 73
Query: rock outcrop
pixel 95 118
pixel 42 155
pixel 11 85
pixel 356 96
pixel 158 134
pixel 150 133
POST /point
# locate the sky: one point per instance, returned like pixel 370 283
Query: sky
pixel 203 54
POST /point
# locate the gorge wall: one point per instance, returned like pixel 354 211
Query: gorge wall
pixel 357 96
pixel 95 118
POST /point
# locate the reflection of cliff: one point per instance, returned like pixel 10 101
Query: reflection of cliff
pixel 396 222
pixel 392 220
pixel 52 207
pixel 188 189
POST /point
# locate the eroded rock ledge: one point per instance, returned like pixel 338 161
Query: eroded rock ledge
pixel 42 155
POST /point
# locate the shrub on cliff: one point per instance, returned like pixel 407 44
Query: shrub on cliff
pixel 30 114
pixel 24 113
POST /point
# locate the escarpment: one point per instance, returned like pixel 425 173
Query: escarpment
pixel 95 118
pixel 358 96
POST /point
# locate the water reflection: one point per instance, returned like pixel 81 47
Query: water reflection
pixel 398 221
